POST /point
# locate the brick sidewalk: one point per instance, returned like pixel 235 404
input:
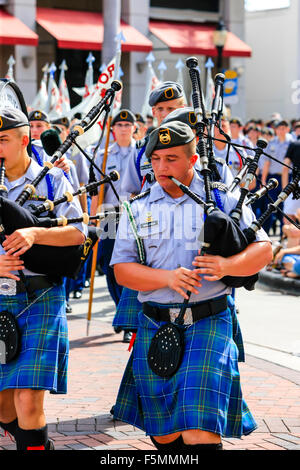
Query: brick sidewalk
pixel 81 419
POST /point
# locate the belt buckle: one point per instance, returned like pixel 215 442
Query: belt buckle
pixel 188 316
pixel 8 286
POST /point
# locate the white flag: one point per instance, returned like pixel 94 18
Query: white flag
pixel 53 106
pixel 41 98
pixel 103 84
pixel 152 83
pixel 64 97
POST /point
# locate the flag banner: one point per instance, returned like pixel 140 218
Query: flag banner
pixel 53 106
pixel 103 84
pixel 180 66
pixel 210 86
pixel 152 82
pixel 10 72
pixel 41 98
pixel 64 97
pixel 89 84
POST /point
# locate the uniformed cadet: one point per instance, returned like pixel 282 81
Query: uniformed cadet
pixel 141 127
pixel 119 155
pixel 277 148
pixel 202 402
pixel 41 363
pixel 236 131
pixel 163 99
pixel 129 306
pixel 78 175
pixel 39 122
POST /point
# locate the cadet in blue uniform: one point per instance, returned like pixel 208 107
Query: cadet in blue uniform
pixel 164 99
pixel 42 361
pixel 202 402
pixel 129 306
pixel 39 122
pixel 277 148
pixel 119 155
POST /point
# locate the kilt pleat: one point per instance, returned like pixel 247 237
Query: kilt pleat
pixel 204 394
pixel 127 310
pixel 43 358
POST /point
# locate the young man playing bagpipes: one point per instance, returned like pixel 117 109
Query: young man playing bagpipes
pixel 189 399
pixel 35 301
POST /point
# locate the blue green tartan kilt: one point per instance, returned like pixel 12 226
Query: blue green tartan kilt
pixel 127 310
pixel 205 393
pixel 43 359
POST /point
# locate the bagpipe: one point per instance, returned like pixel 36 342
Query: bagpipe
pixel 222 234
pixel 56 261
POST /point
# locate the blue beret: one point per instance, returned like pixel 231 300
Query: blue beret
pixel 186 115
pixel 124 115
pixel 165 92
pixel 173 134
pixel 37 115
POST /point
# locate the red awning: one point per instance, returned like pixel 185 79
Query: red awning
pixel 84 30
pixel 197 39
pixel 14 32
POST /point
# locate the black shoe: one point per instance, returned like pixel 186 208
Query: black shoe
pixel 100 272
pixel 117 329
pixel 112 410
pixel 68 308
pixel 127 336
pixel 77 294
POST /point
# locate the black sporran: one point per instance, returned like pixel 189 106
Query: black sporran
pixel 10 337
pixel 166 350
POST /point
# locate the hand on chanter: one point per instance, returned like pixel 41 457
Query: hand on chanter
pixel 183 278
pixel 211 266
pixel 8 264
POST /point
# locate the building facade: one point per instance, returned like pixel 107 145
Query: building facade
pixel 273 75
pixel 141 15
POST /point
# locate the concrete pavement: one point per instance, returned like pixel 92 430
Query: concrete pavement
pixel 81 420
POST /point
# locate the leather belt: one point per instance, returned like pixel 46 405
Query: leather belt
pixel 33 283
pixel 201 310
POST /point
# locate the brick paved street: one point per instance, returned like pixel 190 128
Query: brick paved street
pixel 81 420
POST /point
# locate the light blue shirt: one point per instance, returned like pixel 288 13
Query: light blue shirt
pixel 117 159
pixel 278 150
pixel 234 161
pixel 71 176
pixel 60 186
pixel 81 166
pixel 170 229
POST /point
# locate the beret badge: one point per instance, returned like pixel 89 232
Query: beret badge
pixel 164 136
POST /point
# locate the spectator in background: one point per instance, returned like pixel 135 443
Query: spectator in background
pixel 277 148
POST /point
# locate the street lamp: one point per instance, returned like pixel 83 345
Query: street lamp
pixel 220 36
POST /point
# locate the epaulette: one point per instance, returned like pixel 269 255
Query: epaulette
pixel 140 196
pixel 141 143
pixel 220 160
pixel 219 185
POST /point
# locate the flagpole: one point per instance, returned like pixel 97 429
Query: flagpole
pixel 119 39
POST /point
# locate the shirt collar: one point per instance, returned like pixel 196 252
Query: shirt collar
pixel 32 172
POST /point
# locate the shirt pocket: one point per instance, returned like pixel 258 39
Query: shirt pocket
pixel 194 233
pixel 153 233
